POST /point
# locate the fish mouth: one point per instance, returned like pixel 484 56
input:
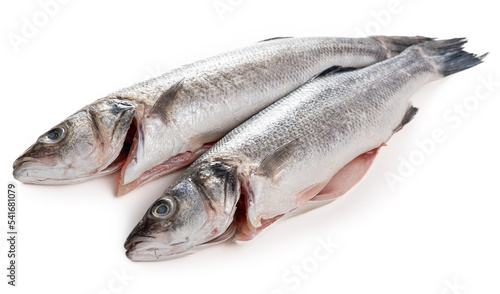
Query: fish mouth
pixel 152 254
pixel 129 246
pixel 22 160
pixel 132 242
pixel 147 249
pixel 22 167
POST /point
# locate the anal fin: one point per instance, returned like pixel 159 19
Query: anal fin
pixel 410 113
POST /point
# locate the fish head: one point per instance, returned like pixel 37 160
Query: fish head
pixel 196 211
pixel 82 146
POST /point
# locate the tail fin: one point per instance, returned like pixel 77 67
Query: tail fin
pixel 397 44
pixel 449 55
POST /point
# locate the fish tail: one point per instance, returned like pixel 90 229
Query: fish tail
pixel 449 55
pixel 397 44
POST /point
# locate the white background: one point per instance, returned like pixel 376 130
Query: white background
pixel 437 231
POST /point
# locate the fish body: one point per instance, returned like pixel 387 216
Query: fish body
pixel 312 145
pixel 179 115
pixel 211 97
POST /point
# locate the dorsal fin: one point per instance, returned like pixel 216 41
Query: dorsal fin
pixel 272 165
pixel 335 69
pixel 410 113
pixel 275 38
pixel 165 100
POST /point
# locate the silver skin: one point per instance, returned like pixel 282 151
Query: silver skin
pixel 299 142
pixel 219 93
pixel 216 95
pixel 83 146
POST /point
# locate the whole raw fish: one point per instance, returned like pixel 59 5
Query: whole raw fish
pixel 312 145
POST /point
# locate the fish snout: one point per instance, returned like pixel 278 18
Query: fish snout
pixel 140 248
pixel 134 240
pixel 31 168
pixel 25 159
pixel 22 166
pixel 19 173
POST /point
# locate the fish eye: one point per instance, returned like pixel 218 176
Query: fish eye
pixel 163 208
pixel 53 136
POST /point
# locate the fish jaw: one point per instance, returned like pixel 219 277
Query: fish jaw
pixel 152 249
pixel 32 170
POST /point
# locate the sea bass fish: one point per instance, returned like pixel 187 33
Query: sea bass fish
pixel 312 145
pixel 162 124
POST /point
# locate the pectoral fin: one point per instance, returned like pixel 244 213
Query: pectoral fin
pixel 166 101
pixel 273 165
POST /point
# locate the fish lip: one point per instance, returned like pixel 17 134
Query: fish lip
pixel 21 168
pixel 133 241
pixel 134 251
pixel 21 160
pixel 137 253
pixel 130 245
pixel 149 258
